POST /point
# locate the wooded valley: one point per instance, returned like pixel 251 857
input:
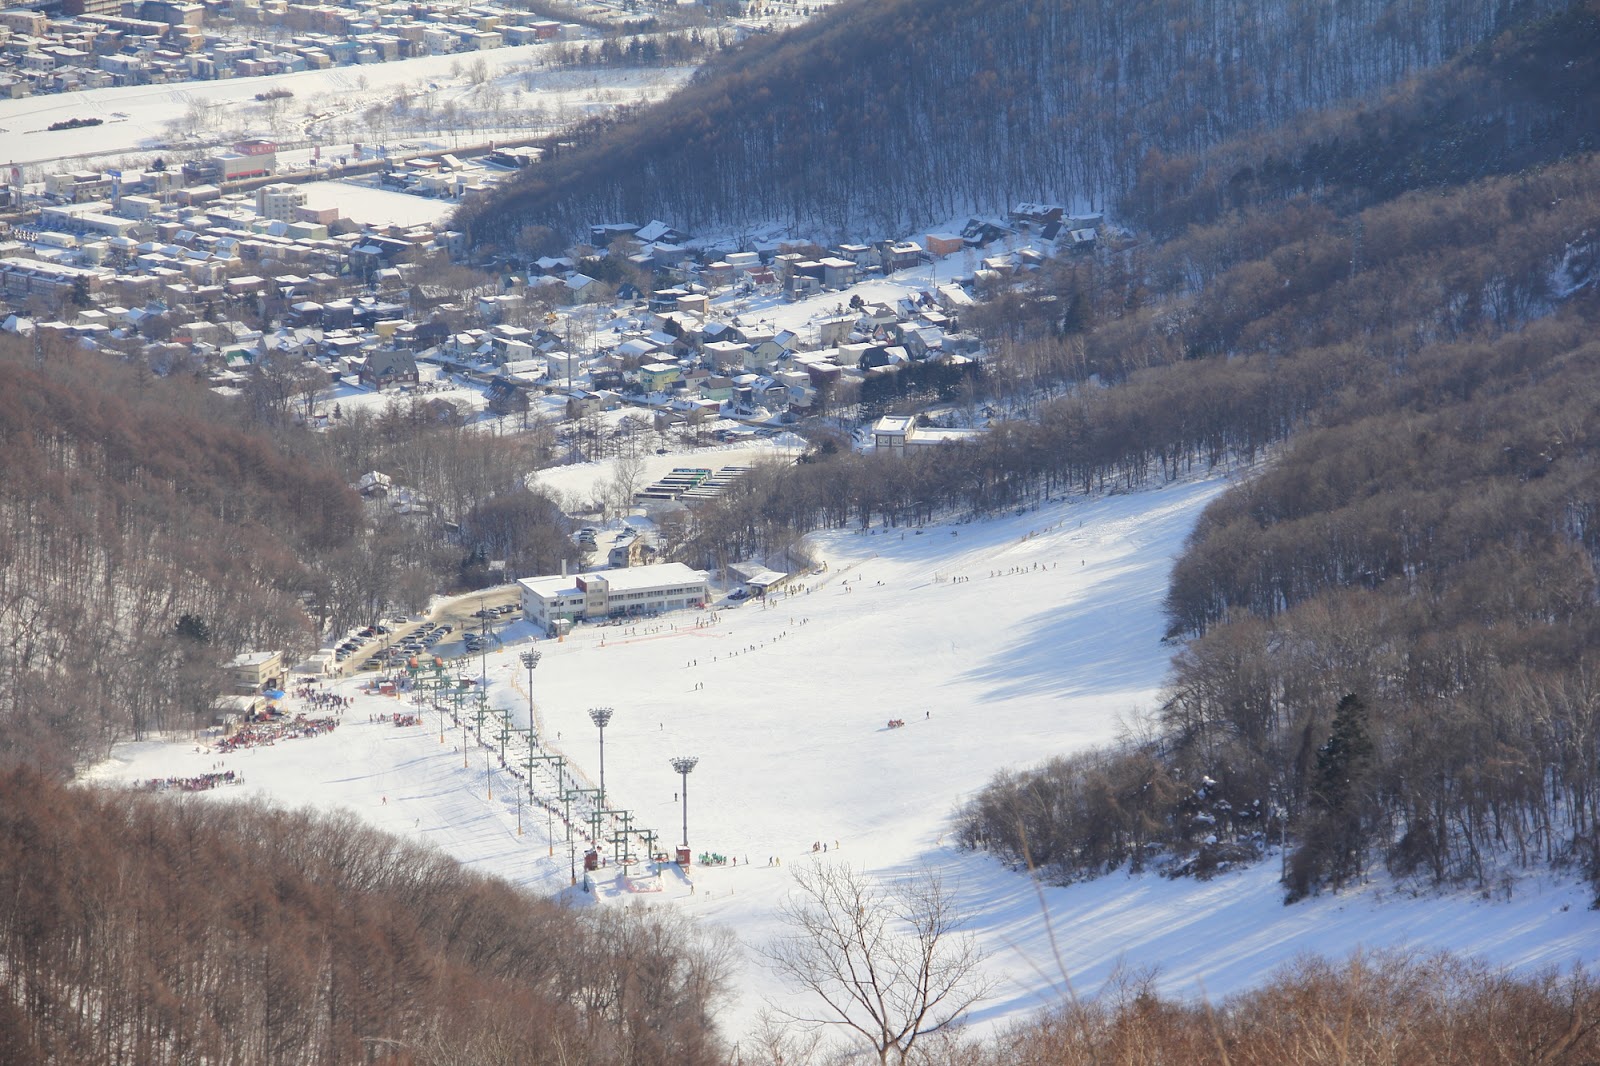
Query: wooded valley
pixel 1380 316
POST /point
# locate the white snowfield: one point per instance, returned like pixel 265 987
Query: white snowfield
pixel 142 121
pixel 370 205
pixel 999 643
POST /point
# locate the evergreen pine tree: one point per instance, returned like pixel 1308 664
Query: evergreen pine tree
pixel 1336 833
pixel 1344 758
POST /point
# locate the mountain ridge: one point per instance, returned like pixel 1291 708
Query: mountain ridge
pixel 894 114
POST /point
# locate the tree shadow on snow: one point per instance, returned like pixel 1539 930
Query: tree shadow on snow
pixel 1107 639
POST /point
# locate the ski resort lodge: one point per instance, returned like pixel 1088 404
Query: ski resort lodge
pixel 629 593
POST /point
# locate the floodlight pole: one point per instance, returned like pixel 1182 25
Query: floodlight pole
pixel 683 764
pixel 530 659
pixel 601 716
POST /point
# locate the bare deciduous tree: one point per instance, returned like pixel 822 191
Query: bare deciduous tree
pixel 889 963
pixel 627 471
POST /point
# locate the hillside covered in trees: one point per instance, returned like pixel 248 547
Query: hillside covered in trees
pixel 882 115
pixel 151 929
pixel 1385 638
pixel 142 543
pixel 143 928
pixel 151 530
pixel 1390 630
pixel 1520 98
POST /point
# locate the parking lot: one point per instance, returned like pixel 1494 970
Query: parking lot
pixel 451 630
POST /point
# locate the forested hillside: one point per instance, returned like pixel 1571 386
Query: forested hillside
pixel 146 929
pixel 1384 315
pixel 1519 99
pixel 150 530
pixel 881 115
pixel 143 543
pixel 1391 629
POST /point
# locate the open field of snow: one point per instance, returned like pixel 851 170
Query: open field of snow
pixel 364 203
pixel 576 481
pixel 329 107
pixel 1048 642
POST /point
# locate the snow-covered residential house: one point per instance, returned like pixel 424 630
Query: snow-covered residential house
pixel 635 351
pixel 899 255
pixel 387 367
pixel 716 387
pixel 581 287
pixel 658 377
pixel 726 355
pixel 922 342
pixel 766 353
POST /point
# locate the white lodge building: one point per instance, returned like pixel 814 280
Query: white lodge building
pixel 628 593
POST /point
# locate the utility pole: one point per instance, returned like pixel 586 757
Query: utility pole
pixel 483 647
